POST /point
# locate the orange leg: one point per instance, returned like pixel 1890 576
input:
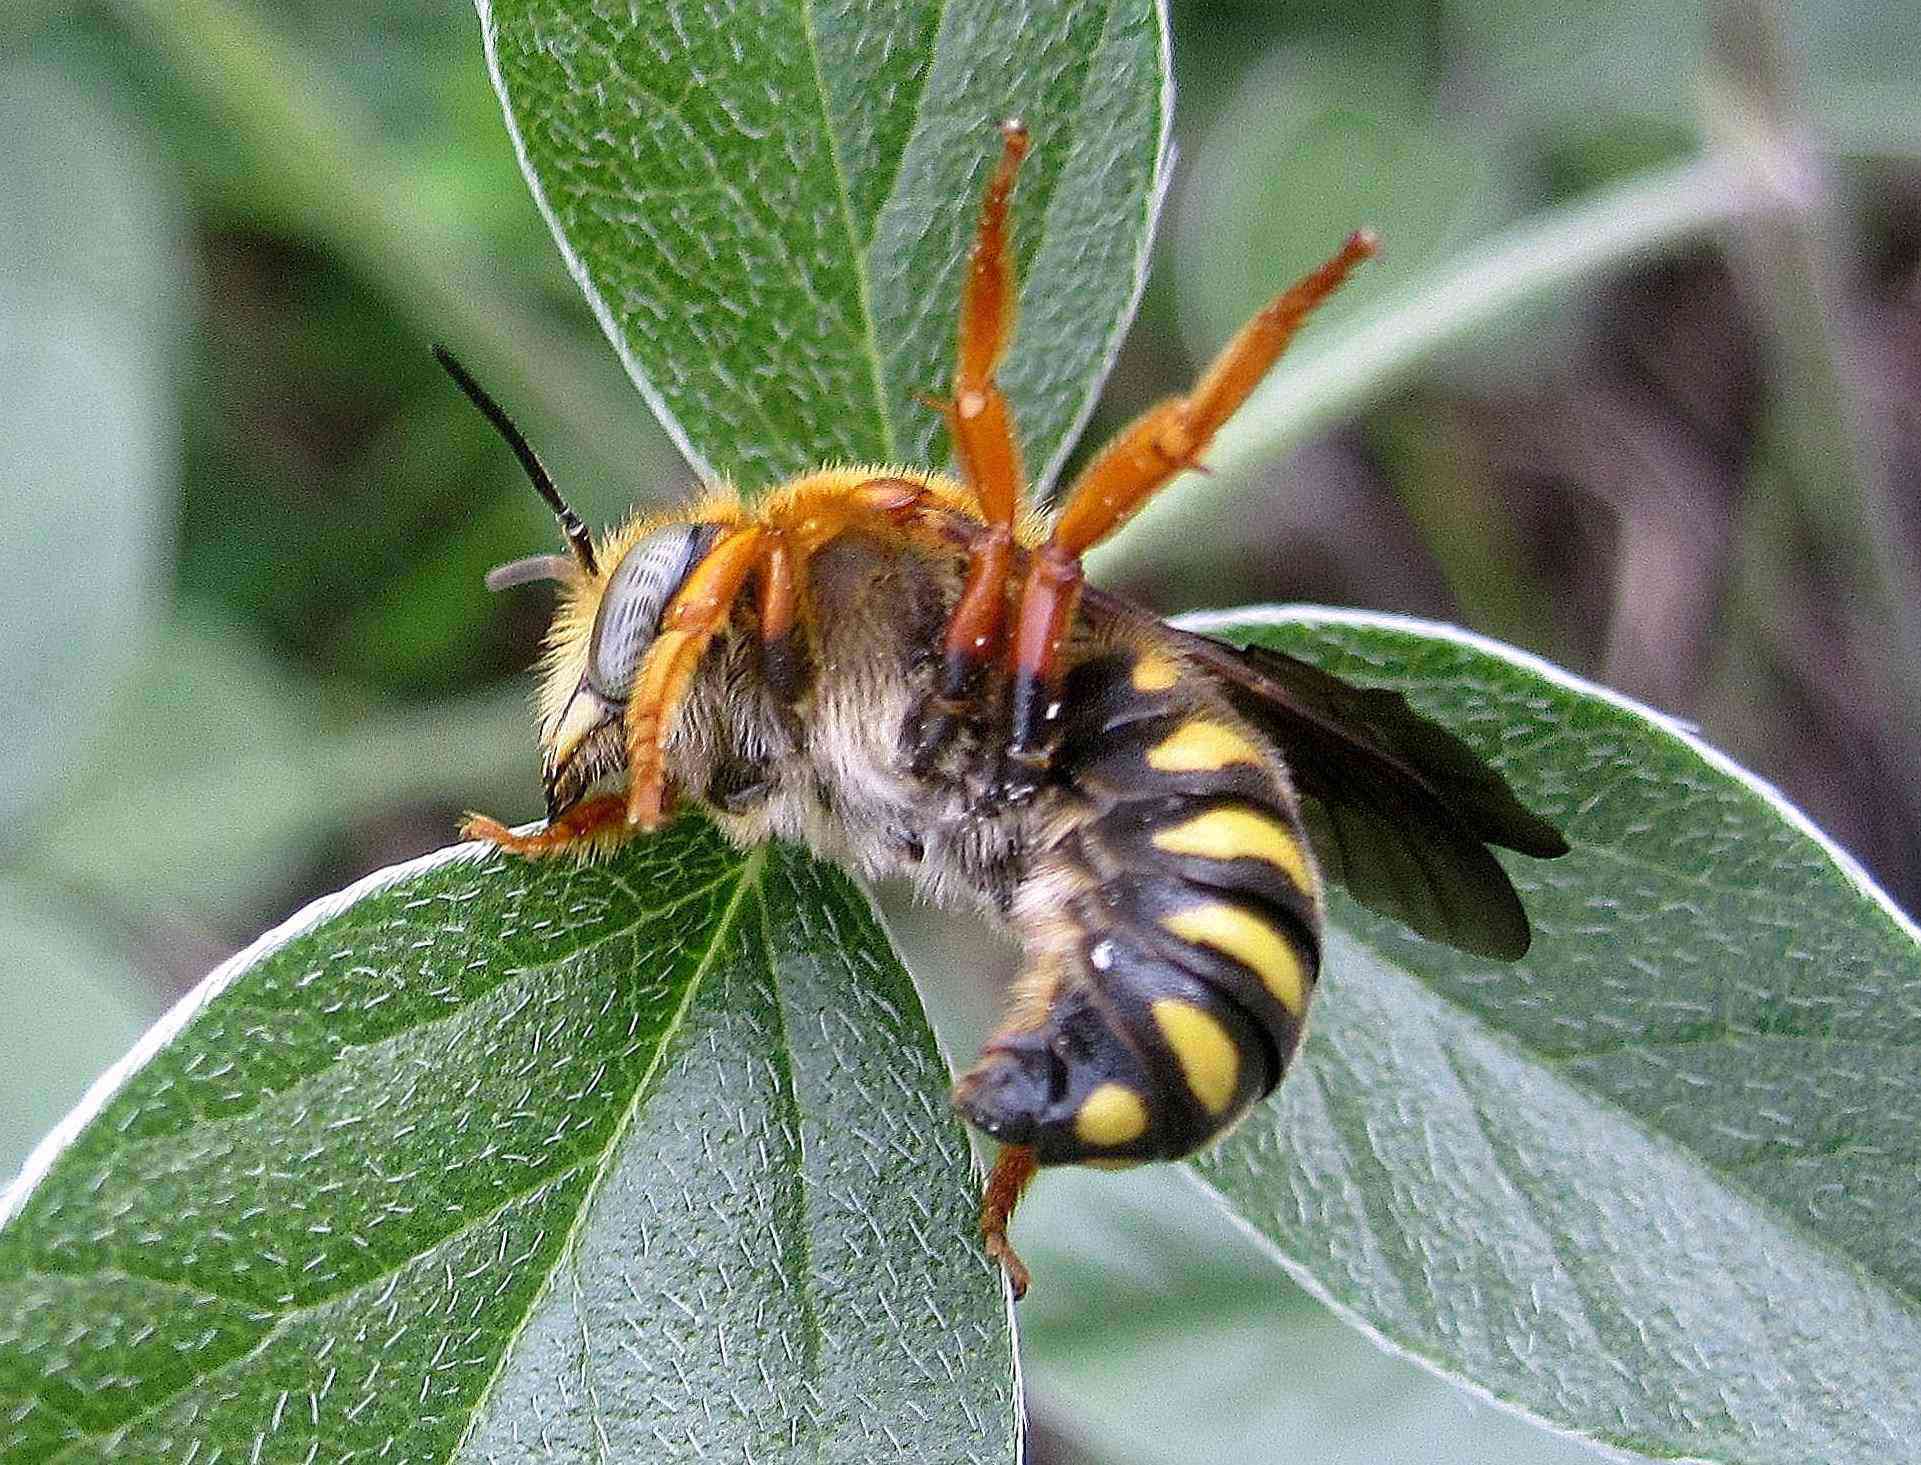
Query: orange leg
pixel 779 604
pixel 1013 1170
pixel 1172 435
pixel 582 828
pixel 1163 441
pixel 699 608
pixel 981 425
pixel 1049 597
pixel 792 539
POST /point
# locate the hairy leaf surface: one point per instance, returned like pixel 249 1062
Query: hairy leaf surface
pixel 1656 1182
pixel 768 204
pixel 648 1161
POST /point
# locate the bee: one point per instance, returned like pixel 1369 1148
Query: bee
pixel 902 670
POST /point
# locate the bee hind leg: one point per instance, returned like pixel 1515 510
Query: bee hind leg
pixel 980 424
pixel 1165 440
pixel 1013 1170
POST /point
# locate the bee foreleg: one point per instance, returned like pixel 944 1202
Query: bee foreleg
pixel 587 828
pixel 703 604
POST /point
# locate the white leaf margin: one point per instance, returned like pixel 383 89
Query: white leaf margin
pixel 103 1089
pixel 43 1155
pixel 41 1159
pixel 1215 622
pixel 656 400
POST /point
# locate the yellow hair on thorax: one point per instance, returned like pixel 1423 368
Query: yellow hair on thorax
pixel 810 497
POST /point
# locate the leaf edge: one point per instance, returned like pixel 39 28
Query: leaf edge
pixel 42 1157
pixel 576 266
pixel 1850 869
pixel 1687 734
pixel 1043 482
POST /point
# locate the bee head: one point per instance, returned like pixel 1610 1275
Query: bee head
pixel 589 678
pixel 583 735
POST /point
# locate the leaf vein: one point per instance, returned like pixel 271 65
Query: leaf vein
pixel 749 876
pixel 124 1273
pixel 286 1318
pixel 1728 1036
pixel 863 283
pixel 1748 895
pixel 921 76
pixel 1502 1154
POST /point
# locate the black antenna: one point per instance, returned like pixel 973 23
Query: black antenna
pixel 578 539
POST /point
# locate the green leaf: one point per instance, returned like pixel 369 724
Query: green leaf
pixel 1160 1333
pixel 646 1161
pixel 1656 1183
pixel 652 1160
pixel 768 204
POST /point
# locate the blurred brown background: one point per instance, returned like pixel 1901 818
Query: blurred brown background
pixel 1655 414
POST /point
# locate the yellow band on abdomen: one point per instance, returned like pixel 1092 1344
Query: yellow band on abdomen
pixel 1112 1115
pixel 1156 671
pixel 1200 746
pixel 1239 834
pixel 1252 942
pixel 1209 1060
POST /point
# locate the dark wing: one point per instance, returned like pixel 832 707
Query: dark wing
pixel 1400 810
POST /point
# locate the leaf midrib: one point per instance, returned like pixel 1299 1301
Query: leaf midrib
pixel 284 1318
pixel 748 877
pixel 863 283
pixel 751 869
pixel 241 1110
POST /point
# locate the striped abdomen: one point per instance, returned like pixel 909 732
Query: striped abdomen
pixel 1172 929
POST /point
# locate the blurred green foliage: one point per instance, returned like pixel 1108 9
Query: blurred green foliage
pixel 248 652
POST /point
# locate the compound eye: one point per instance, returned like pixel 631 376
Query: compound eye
pixel 629 615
